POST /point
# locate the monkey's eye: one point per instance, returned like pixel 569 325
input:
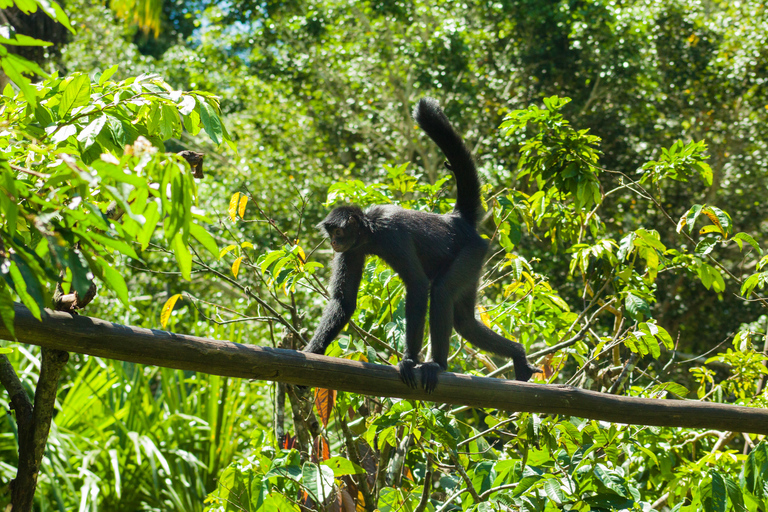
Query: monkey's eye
pixel 338 232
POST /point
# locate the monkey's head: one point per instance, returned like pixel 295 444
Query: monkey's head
pixel 344 226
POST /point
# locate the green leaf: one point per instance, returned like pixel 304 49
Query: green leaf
pixel 734 493
pixel 115 281
pixel 19 279
pixel 151 216
pixel 739 237
pixel 204 237
pixel 554 491
pixel 7 313
pixel 651 238
pixel 107 74
pixel 115 244
pixel 636 306
pixel 14 66
pixel 342 466
pixel 705 246
pixel 749 285
pixel 63 133
pixel 90 132
pixel 183 257
pixel 713 494
pixel 689 218
pixel 211 122
pixel 318 480
pixel 76 94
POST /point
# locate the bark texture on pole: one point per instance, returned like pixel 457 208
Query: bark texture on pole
pixel 63 331
pixel 33 421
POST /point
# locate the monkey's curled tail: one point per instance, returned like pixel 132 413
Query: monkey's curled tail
pixel 432 120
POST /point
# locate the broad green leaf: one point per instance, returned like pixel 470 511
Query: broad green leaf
pixel 651 237
pixel 115 281
pixel 63 133
pixel 204 237
pixel 76 94
pixel 7 312
pixel 689 218
pixel 342 466
pixel 165 313
pixel 183 256
pixel 713 494
pixel 318 480
pixel 106 75
pixel 705 246
pixel 554 491
pixel 151 216
pixel 270 258
pixel 115 244
pixel 749 285
pixel 636 306
pixel 211 122
pixel 739 237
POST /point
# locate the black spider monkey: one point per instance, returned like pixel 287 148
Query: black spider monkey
pixel 438 257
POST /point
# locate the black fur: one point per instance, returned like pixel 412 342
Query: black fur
pixel 438 257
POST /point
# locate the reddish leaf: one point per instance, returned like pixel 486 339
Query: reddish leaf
pixel 289 442
pixel 321 450
pixel 547 367
pixel 325 399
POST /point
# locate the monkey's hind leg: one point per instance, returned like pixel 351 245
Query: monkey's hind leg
pixel 479 335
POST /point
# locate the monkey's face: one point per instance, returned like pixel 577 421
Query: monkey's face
pixel 343 238
pixel 344 226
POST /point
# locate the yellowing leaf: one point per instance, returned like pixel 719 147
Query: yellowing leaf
pixel 711 228
pixel 245 245
pixel 484 316
pixel 301 254
pixel 233 206
pixel 165 314
pixel 226 250
pixel 241 208
pixel 236 266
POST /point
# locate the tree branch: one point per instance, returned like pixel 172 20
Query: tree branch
pixel 82 334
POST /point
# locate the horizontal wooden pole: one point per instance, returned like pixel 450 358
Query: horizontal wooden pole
pixel 96 337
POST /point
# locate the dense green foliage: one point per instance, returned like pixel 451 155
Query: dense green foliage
pixel 623 147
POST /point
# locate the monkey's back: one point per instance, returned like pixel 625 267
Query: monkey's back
pixel 435 239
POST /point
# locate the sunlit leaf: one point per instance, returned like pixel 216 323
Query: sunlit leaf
pixel 204 237
pixel 486 319
pixel 165 313
pixel 233 206
pixel 241 207
pixel 236 266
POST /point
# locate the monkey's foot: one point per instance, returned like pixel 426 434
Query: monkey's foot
pixel 405 367
pixel 525 370
pixel 429 372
